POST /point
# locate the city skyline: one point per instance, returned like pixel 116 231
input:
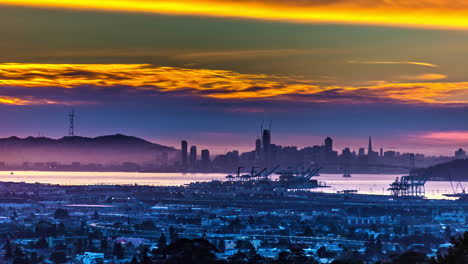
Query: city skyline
pixel 212 79
pixel 233 131
pixel 328 143
pixel 245 145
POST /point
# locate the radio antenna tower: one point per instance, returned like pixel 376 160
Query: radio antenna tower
pixel 71 130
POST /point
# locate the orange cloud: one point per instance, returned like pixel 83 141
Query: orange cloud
pixel 212 83
pixel 8 100
pixel 425 77
pixel 223 84
pixel 397 62
pixel 422 13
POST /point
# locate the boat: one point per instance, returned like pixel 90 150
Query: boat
pixel 348 191
pixel 347 175
pixel 460 194
pixel 454 188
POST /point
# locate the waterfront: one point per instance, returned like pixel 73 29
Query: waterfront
pixel 379 184
pixel 363 183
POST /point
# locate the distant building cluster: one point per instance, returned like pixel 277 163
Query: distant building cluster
pixel 191 160
pixel 136 155
pixel 267 154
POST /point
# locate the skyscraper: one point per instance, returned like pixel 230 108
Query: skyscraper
pixel 362 152
pixel 372 155
pixel 258 149
pixel 266 140
pixel 460 154
pixel 184 153
pixel 205 158
pixel 328 144
pixel 193 155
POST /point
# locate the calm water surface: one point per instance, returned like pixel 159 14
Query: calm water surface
pixel 364 183
pixel 379 183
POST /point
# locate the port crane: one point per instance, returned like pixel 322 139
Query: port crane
pixel 231 177
pixel 253 175
pixel 412 185
pixel 298 179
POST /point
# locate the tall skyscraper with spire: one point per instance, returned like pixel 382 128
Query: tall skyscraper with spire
pixel 266 148
pixel 369 150
pixel 258 149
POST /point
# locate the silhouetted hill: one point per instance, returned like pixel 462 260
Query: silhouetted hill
pixel 112 149
pixel 455 169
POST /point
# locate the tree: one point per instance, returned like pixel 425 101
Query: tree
pixel 147 225
pixel 244 245
pixel 222 245
pixel 194 251
pixel 18 251
pixel 410 257
pixel 58 257
pixel 298 255
pixel 42 243
pixel 79 246
pixel 45 229
pixel 19 256
pixel 118 250
pixel 134 260
pixel 21 260
pixel 308 231
pixel 457 254
pixel 235 225
pixel 349 257
pixel 162 242
pixel 295 256
pixel 347 261
pixel 96 215
pixel 378 246
pixel 60 214
pixel 8 251
pixel 448 232
pixel 104 245
pixel 283 257
pixel 145 259
pixel 173 234
pixel 255 258
pixel 61 229
pixel 34 259
pixel 238 258
pixel 322 252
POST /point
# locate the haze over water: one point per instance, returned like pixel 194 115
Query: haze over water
pixel 364 183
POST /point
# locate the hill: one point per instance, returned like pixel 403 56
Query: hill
pixel 111 149
pixel 457 170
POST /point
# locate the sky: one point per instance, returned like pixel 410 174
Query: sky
pixel 211 71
